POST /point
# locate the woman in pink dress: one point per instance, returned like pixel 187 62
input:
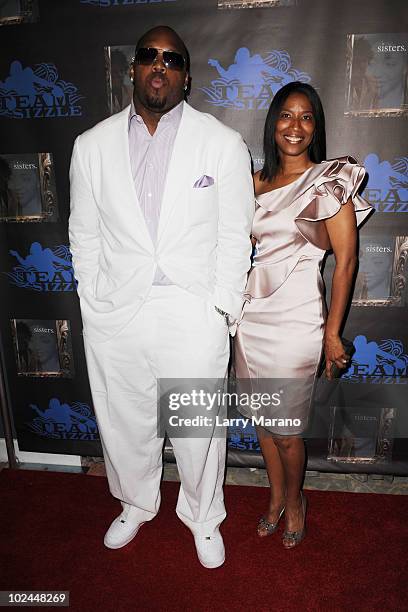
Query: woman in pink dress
pixel 305 206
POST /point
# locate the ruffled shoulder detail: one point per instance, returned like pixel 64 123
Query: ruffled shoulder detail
pixel 339 181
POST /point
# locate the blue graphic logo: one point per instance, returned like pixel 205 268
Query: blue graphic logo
pixel 243 438
pixel 387 187
pixel 105 3
pixel 38 93
pixel 44 269
pixel 372 361
pixel 63 421
pixel 251 81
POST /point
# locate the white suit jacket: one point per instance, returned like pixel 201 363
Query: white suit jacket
pixel 203 240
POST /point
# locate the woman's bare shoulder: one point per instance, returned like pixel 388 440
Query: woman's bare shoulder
pixel 258 183
pixel 261 185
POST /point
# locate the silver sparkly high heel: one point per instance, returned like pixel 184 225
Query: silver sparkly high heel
pixel 269 528
pixel 295 537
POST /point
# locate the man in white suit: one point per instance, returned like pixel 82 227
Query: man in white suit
pixel 161 211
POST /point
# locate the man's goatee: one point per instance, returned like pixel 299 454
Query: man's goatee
pixel 156 102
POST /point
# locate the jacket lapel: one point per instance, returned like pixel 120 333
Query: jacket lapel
pixel 123 177
pixel 179 169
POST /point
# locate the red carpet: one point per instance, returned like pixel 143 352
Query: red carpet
pixel 52 525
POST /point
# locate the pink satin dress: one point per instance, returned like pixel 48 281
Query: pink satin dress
pixel 281 329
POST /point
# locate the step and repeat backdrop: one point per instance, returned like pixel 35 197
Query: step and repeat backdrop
pixel 64 67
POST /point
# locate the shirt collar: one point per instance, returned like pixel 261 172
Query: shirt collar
pixel 172 118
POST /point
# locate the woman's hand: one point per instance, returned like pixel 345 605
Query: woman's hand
pixel 335 354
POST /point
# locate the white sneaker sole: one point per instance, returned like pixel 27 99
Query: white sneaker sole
pixel 125 542
pixel 211 564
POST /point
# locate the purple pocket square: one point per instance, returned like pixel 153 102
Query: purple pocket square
pixel 204 181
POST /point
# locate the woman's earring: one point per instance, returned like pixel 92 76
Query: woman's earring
pixel 132 61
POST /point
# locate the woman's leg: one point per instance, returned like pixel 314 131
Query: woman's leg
pixel 292 455
pixel 276 476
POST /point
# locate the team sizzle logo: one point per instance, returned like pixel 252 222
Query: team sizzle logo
pixel 382 362
pixel 387 187
pixel 43 269
pixel 64 421
pixel 243 438
pixel 37 93
pixel 251 81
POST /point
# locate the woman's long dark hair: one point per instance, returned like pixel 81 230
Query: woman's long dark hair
pixel 316 149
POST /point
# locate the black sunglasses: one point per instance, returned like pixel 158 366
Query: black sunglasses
pixel 171 59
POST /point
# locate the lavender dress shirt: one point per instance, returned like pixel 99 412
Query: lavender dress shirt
pixel 149 160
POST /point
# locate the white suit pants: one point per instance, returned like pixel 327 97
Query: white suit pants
pixel 174 335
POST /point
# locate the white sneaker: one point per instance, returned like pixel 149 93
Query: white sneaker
pixel 122 530
pixel 210 549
